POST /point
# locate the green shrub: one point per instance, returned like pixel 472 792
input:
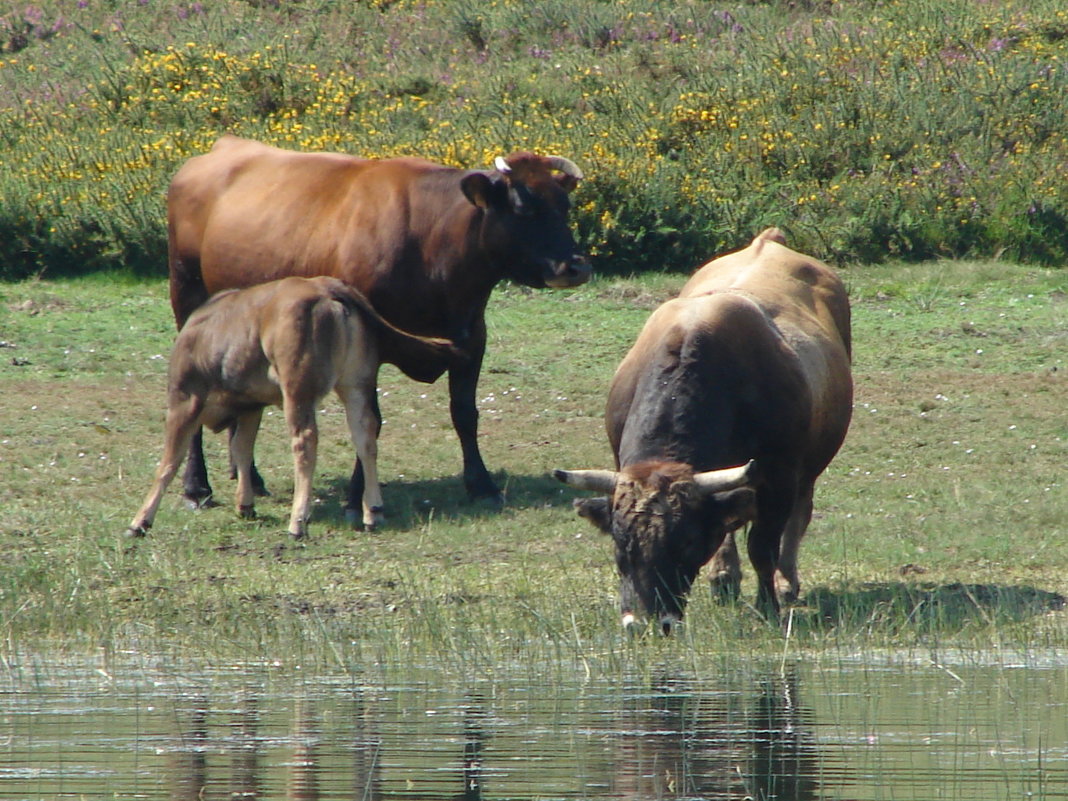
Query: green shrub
pixel 903 129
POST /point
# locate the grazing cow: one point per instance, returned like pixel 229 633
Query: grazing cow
pixel 286 342
pixel 424 243
pixel 734 398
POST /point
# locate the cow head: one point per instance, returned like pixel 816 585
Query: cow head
pixel 666 522
pixel 526 203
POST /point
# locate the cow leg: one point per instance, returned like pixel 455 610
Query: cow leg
pixel 787 583
pixel 365 422
pixel 242 442
pixel 183 422
pixel 195 486
pixel 463 384
pixel 725 570
pixel 304 437
pixel 763 546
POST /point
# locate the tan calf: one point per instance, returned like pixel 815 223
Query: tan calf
pixel 286 342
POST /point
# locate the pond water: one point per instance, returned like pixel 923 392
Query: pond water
pixel 844 728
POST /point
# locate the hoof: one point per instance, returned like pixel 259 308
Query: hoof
pixel 725 587
pixel 194 503
pixel 135 532
pixel 246 512
pixel 494 502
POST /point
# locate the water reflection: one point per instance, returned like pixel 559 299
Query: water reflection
pixel 679 741
pixel 803 733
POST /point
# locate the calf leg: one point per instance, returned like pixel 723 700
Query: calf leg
pixel 788 585
pixel 259 487
pixel 242 442
pixel 183 423
pixel 361 411
pixel 354 497
pixel 304 438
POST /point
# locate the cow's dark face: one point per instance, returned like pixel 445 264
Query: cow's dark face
pixel 525 224
pixel 664 528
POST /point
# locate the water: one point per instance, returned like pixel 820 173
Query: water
pixel 857 729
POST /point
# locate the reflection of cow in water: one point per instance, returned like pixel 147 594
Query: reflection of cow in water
pixel 680 741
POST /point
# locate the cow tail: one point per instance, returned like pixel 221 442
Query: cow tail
pixel 420 358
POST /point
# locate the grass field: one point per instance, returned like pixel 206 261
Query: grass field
pixel 942 520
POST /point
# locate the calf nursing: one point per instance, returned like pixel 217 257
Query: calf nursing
pixel 286 342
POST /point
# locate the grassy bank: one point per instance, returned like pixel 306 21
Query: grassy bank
pixel 901 129
pixel 942 521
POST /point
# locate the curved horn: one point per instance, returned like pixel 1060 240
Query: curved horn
pixel 566 166
pixel 595 480
pixel 501 165
pixel 726 479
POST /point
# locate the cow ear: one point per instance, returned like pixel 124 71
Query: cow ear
pixel 482 191
pixel 596 511
pixel 567 182
pixel 734 508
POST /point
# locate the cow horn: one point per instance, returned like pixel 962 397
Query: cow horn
pixel 566 166
pixel 726 479
pixel 501 165
pixel 595 480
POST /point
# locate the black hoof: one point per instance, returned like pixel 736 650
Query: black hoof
pixel 247 512
pixel 135 533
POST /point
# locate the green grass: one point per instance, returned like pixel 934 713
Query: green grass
pixel 941 522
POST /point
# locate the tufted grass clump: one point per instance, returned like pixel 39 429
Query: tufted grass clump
pixel 902 130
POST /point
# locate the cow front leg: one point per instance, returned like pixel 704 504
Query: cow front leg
pixel 242 444
pixel 365 422
pixel 195 487
pixel 725 571
pixel 787 582
pixel 765 536
pixel 304 438
pixel 463 384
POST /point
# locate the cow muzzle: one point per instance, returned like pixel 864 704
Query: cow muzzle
pixel 564 274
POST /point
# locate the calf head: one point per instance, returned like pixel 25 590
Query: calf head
pixel 525 224
pixel 666 522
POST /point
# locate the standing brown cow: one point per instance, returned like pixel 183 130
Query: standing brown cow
pixel 424 243
pixel 751 362
pixel 286 342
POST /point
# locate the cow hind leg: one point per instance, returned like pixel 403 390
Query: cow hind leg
pixel 183 423
pixel 364 419
pixel 242 443
pixel 725 571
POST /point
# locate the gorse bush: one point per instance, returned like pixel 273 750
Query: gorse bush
pixel 905 129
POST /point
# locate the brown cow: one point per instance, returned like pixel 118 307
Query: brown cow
pixel 751 362
pixel 286 342
pixel 425 243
